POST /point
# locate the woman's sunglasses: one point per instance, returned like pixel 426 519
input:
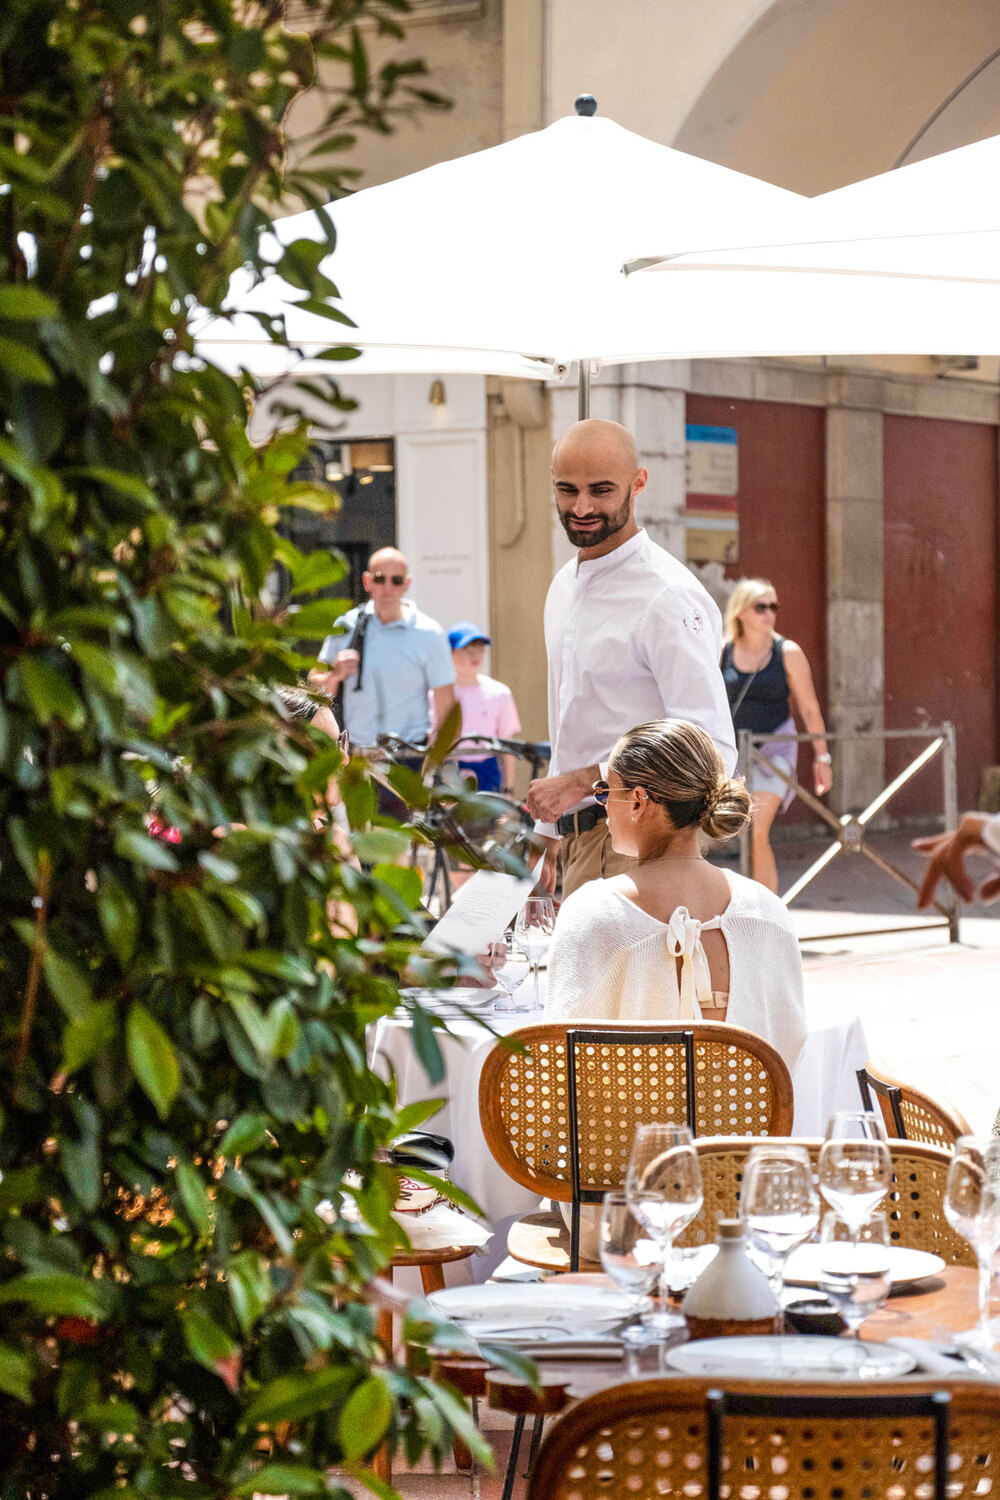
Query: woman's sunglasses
pixel 602 791
pixel 395 578
pixel 761 608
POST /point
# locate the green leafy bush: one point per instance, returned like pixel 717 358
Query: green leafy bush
pixel 183 1068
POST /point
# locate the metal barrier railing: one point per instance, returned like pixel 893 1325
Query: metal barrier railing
pixel 851 829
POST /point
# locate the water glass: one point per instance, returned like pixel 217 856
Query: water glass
pixel 855 1168
pixel 510 968
pixel 629 1256
pixel 664 1182
pixel 972 1208
pixel 779 1207
pixel 536 922
pixel 854 1268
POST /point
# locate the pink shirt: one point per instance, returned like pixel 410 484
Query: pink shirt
pixel 487 708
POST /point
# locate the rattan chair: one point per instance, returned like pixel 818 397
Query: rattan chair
pixel 914 1205
pixel 666 1439
pixel 909 1113
pixel 720 1079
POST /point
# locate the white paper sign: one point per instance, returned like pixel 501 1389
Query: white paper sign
pixel 481 911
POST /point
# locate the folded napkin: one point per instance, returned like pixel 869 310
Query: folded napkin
pixel 929 1357
pixel 441 1227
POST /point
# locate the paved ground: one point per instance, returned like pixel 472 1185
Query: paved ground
pixel 929 1007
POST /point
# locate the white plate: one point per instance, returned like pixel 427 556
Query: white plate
pixel 533 1304
pixel 803 1265
pixel 791 1357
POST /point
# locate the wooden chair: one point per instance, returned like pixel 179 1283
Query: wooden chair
pixel 909 1113
pixel 560 1108
pixel 688 1440
pixel 914 1205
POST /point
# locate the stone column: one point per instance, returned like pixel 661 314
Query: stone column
pixel 855 610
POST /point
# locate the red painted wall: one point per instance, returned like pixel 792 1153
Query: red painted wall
pixel 782 486
pixel 940 597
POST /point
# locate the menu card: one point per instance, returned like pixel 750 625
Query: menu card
pixel 480 912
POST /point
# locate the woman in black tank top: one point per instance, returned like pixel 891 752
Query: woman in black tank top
pixel 767 677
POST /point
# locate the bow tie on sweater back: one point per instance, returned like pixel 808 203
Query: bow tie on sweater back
pixel 684 942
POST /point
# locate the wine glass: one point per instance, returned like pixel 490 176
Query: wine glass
pixel 855 1168
pixel 779 1208
pixel 854 1267
pixel 972 1207
pixel 536 923
pixel 629 1256
pixel 664 1182
pixel 856 1124
pixel 510 967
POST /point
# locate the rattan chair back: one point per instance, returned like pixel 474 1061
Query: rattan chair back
pixel 653 1438
pixel 740 1086
pixel 914 1206
pixel 908 1112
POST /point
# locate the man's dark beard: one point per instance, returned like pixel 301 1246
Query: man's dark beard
pixel 592 536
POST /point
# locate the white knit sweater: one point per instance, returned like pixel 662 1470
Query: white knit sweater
pixel 612 961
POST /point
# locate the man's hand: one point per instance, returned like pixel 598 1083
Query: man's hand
pixel 550 796
pixel 328 679
pixel 947 853
pixel 547 874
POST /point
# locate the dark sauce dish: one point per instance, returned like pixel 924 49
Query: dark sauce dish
pixel 814 1315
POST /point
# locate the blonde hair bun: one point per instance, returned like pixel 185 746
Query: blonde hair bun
pixel 680 767
pixel 727 809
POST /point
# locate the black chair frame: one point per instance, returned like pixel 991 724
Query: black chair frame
pixel 890 1091
pixel 722 1404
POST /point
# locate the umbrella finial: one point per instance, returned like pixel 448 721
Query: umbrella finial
pixel 585 105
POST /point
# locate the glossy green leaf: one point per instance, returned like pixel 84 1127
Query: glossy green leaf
pixel 26 302
pixel 194 1195
pixel 290 1398
pixel 284 1479
pixel 119 919
pixel 56 1296
pixel 17 1371
pixel 205 1340
pixel 22 363
pixel 70 985
pixel 365 1418
pixel 49 691
pixel 154 1061
pixel 248 1132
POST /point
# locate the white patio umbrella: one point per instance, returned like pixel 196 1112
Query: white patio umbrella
pixel 508 261
pixel 923 241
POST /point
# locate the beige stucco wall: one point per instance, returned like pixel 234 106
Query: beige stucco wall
pixel 462 47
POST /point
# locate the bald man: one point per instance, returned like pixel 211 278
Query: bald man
pixel 631 635
pixel 398 657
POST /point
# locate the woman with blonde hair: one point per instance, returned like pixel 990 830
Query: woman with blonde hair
pixel 677 938
pixel 767 677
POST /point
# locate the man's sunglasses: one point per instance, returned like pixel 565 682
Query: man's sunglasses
pixel 602 791
pixel 397 578
pixel 761 608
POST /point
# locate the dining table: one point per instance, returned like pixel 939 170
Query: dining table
pixel 927 1312
pixel 823 1081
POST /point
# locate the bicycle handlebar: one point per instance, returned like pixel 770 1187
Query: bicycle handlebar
pixel 523 749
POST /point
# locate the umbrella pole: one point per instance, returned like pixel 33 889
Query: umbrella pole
pixel 583 390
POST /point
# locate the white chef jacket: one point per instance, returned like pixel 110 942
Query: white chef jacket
pixel 631 636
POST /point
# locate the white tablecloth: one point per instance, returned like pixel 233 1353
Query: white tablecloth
pixel 823 1081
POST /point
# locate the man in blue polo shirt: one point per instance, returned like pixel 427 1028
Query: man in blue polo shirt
pixel 403 657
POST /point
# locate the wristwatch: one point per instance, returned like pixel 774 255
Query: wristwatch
pixel 823 760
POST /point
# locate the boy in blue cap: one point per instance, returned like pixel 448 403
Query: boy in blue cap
pixel 488 708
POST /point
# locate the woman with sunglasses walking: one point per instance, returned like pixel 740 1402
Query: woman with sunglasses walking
pixel 768 678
